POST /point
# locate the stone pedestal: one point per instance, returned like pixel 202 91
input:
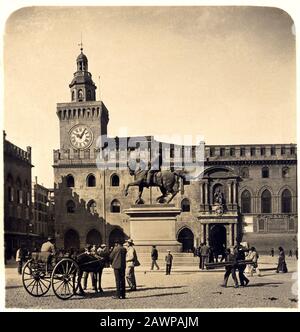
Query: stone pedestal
pixel 154 224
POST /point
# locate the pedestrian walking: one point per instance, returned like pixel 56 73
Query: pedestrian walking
pixel 20 258
pixel 88 251
pixel 290 253
pixel 281 267
pixel 131 262
pixel 240 256
pixel 154 258
pixel 296 253
pixel 118 263
pixel 230 269
pixel 272 252
pixel 199 255
pixel 204 252
pixel 253 256
pixel 103 254
pixel 169 261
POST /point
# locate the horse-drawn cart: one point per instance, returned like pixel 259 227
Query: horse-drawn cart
pixel 64 275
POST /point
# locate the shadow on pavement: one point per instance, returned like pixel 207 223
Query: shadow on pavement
pixel 262 284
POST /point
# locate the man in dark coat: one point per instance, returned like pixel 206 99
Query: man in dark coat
pixel 240 256
pixel 169 260
pixel 154 258
pixel 230 269
pixel 204 252
pixel 118 263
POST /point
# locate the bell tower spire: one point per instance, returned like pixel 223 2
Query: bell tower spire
pixel 82 86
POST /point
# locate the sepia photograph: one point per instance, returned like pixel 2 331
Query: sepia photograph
pixel 149 159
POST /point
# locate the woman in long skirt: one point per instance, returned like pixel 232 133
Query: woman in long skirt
pixel 281 261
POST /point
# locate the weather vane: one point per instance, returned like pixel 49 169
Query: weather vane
pixel 80 44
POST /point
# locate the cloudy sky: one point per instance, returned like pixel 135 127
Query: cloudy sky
pixel 227 73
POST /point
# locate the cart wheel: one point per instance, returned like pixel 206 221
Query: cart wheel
pixel 64 278
pixel 34 278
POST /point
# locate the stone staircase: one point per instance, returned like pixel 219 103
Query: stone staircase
pixel 179 259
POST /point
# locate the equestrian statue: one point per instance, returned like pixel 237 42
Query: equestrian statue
pixel 167 181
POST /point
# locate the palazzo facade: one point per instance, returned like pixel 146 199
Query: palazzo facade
pixel 247 192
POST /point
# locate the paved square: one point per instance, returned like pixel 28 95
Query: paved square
pixel 184 288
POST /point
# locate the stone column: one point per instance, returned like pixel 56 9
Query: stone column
pixel 229 193
pixel 202 239
pixel 201 193
pixel 234 192
pixel 205 193
pixel 207 233
pixel 228 235
pixel 234 233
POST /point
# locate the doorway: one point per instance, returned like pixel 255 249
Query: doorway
pixel 217 238
pixel 186 237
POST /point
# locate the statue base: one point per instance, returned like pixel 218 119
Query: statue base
pixel 154 224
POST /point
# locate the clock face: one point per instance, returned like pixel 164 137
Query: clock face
pixel 81 136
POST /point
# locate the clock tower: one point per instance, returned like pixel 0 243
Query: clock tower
pixel 78 183
pixel 83 119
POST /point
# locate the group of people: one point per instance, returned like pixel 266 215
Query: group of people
pixel 168 260
pixel 235 256
pixel 123 260
pixel 208 254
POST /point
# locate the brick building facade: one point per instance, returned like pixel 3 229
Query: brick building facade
pixel 257 183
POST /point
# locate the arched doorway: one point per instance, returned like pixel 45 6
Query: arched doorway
pixel 186 237
pixel 116 235
pixel 94 237
pixel 71 239
pixel 217 238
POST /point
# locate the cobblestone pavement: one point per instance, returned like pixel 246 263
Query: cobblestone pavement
pixel 184 288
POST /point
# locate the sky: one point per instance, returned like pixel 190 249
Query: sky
pixel 226 73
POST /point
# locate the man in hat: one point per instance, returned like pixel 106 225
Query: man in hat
pixel 103 254
pixel 169 260
pixel 118 263
pixel 88 251
pixel 49 246
pixel 131 262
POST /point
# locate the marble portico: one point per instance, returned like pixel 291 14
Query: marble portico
pixel 218 207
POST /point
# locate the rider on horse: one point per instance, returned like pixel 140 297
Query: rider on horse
pixel 153 168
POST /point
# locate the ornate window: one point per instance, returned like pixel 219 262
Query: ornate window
pixel 115 206
pixel 91 206
pixel 246 202
pixel 185 205
pixel 286 201
pixel 70 181
pixel 70 206
pixel 291 225
pixel 10 189
pixel 91 180
pixel 232 152
pixel 89 95
pixel 273 150
pixel 266 202
pixel 252 151
pixel 265 172
pixel 245 172
pixel 19 191
pixel 261 225
pixel 242 152
pixel 285 172
pixel 115 180
pixel 80 95
pixel 262 151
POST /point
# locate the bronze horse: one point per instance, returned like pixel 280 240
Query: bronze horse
pixel 167 181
